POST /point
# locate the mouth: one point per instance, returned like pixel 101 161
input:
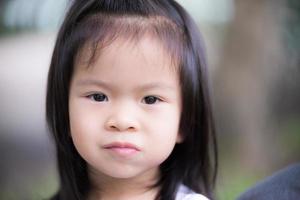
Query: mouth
pixel 122 149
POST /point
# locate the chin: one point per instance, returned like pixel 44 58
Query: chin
pixel 123 174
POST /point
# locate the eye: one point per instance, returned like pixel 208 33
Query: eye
pixel 99 97
pixel 151 99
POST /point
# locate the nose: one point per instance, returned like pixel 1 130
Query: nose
pixel 122 119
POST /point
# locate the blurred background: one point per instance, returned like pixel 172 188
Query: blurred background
pixel 253 50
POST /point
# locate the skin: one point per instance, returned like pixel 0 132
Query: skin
pixel 131 94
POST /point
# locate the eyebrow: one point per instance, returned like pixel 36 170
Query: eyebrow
pixel 89 82
pixel 147 86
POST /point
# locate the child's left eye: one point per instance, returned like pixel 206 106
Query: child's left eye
pixel 99 97
pixel 151 99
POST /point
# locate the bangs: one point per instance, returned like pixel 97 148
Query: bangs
pixel 96 32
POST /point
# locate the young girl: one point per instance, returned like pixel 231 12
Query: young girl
pixel 128 104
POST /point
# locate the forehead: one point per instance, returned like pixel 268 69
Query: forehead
pixel 128 63
pixel 146 51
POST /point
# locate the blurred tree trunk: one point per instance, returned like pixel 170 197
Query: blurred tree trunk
pixel 252 51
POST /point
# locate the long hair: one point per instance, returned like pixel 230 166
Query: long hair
pixel 98 23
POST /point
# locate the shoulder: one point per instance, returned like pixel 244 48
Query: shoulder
pixel 285 184
pixel 184 193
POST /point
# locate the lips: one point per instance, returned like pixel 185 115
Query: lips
pixel 122 149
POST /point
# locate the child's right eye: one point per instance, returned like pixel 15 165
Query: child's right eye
pixel 151 99
pixel 99 97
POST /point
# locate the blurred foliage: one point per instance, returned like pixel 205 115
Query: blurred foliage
pixel 292 31
pixel 290 138
pixel 237 184
pixel 42 188
pixel 232 178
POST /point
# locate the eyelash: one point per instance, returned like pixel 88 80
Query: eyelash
pixel 153 99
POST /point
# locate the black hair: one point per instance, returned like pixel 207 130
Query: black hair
pixel 99 22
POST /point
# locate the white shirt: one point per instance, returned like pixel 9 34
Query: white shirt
pixel 184 193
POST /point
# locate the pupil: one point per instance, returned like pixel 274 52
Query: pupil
pixel 99 97
pixel 150 100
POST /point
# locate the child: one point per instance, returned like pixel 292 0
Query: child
pixel 128 104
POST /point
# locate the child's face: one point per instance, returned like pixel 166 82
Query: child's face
pixel 125 109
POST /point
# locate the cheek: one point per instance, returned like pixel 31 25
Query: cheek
pixel 84 129
pixel 160 149
pixel 164 134
pixel 85 138
pixel 166 123
pixel 84 119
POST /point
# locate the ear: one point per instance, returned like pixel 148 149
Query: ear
pixel 179 138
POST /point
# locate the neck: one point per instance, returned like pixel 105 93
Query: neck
pixel 136 188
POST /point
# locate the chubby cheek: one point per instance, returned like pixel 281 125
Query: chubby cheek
pixel 84 118
pixel 160 150
pixel 83 128
pixel 164 136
